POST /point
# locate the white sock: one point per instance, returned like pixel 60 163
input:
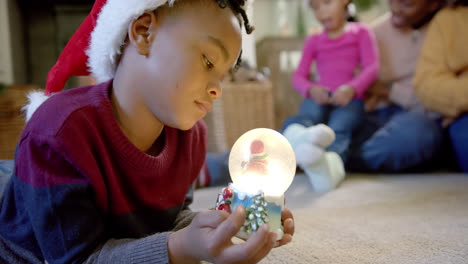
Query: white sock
pixel 309 143
pixel 326 174
pixel 320 135
pixel 308 154
pixel 295 134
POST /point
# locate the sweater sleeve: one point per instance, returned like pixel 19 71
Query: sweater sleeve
pixel 369 62
pixel 152 249
pixel 437 86
pixel 184 218
pixel 67 223
pixel 301 78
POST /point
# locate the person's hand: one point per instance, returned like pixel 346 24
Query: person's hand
pixel 319 94
pixel 209 236
pixel 342 96
pixel 288 227
pixel 375 95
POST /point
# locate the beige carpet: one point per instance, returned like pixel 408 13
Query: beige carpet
pixel 375 219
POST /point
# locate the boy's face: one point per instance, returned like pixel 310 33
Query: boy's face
pixel 192 51
pixel 412 13
pixel 330 13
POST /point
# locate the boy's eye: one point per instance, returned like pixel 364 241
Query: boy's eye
pixel 208 64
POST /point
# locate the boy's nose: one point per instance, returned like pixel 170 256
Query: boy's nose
pixel 215 91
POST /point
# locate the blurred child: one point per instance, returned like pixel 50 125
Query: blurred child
pixel 346 61
pixel 102 171
pixel 441 79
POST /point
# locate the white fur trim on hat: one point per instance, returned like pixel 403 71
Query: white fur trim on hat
pixel 35 99
pixel 109 34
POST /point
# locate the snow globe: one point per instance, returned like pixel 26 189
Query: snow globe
pixel 262 166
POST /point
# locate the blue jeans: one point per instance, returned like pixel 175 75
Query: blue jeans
pixel 458 134
pixel 343 120
pixel 395 140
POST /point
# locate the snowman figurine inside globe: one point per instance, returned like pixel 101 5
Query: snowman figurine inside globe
pixel 262 167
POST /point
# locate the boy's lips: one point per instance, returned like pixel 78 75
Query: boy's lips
pixel 204 106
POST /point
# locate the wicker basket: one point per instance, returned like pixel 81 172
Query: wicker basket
pixel 243 106
pixel 11 118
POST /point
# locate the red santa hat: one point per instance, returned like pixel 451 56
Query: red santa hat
pixel 95 46
pixel 257 147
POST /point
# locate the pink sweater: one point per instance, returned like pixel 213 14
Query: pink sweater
pixel 350 59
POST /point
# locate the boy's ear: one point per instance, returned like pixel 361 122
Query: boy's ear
pixel 140 32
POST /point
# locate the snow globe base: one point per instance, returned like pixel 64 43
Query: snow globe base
pixel 259 209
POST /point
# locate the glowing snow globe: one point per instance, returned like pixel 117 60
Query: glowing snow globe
pixel 262 165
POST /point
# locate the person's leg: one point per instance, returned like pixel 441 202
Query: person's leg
pixel 344 121
pixel 309 138
pixel 328 171
pixel 309 114
pixel 458 131
pixel 303 133
pixel 409 139
pixel 371 122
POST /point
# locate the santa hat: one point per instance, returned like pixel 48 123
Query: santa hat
pixel 95 46
pixel 257 148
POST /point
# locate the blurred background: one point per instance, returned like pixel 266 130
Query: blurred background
pixel 33 33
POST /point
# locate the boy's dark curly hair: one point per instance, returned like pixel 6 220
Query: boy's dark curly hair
pixel 237 7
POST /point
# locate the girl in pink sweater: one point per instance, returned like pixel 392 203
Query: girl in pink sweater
pixel 345 56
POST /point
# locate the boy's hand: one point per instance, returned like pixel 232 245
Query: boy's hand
pixel 319 94
pixel 288 225
pixel 342 96
pixel 209 236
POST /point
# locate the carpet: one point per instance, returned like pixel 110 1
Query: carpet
pixel 416 218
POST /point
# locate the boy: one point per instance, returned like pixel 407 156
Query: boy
pixel 102 171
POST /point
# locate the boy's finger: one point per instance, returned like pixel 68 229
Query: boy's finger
pixel 229 227
pixel 265 249
pixel 286 213
pixel 284 240
pixel 210 218
pixel 251 247
pixel 288 226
